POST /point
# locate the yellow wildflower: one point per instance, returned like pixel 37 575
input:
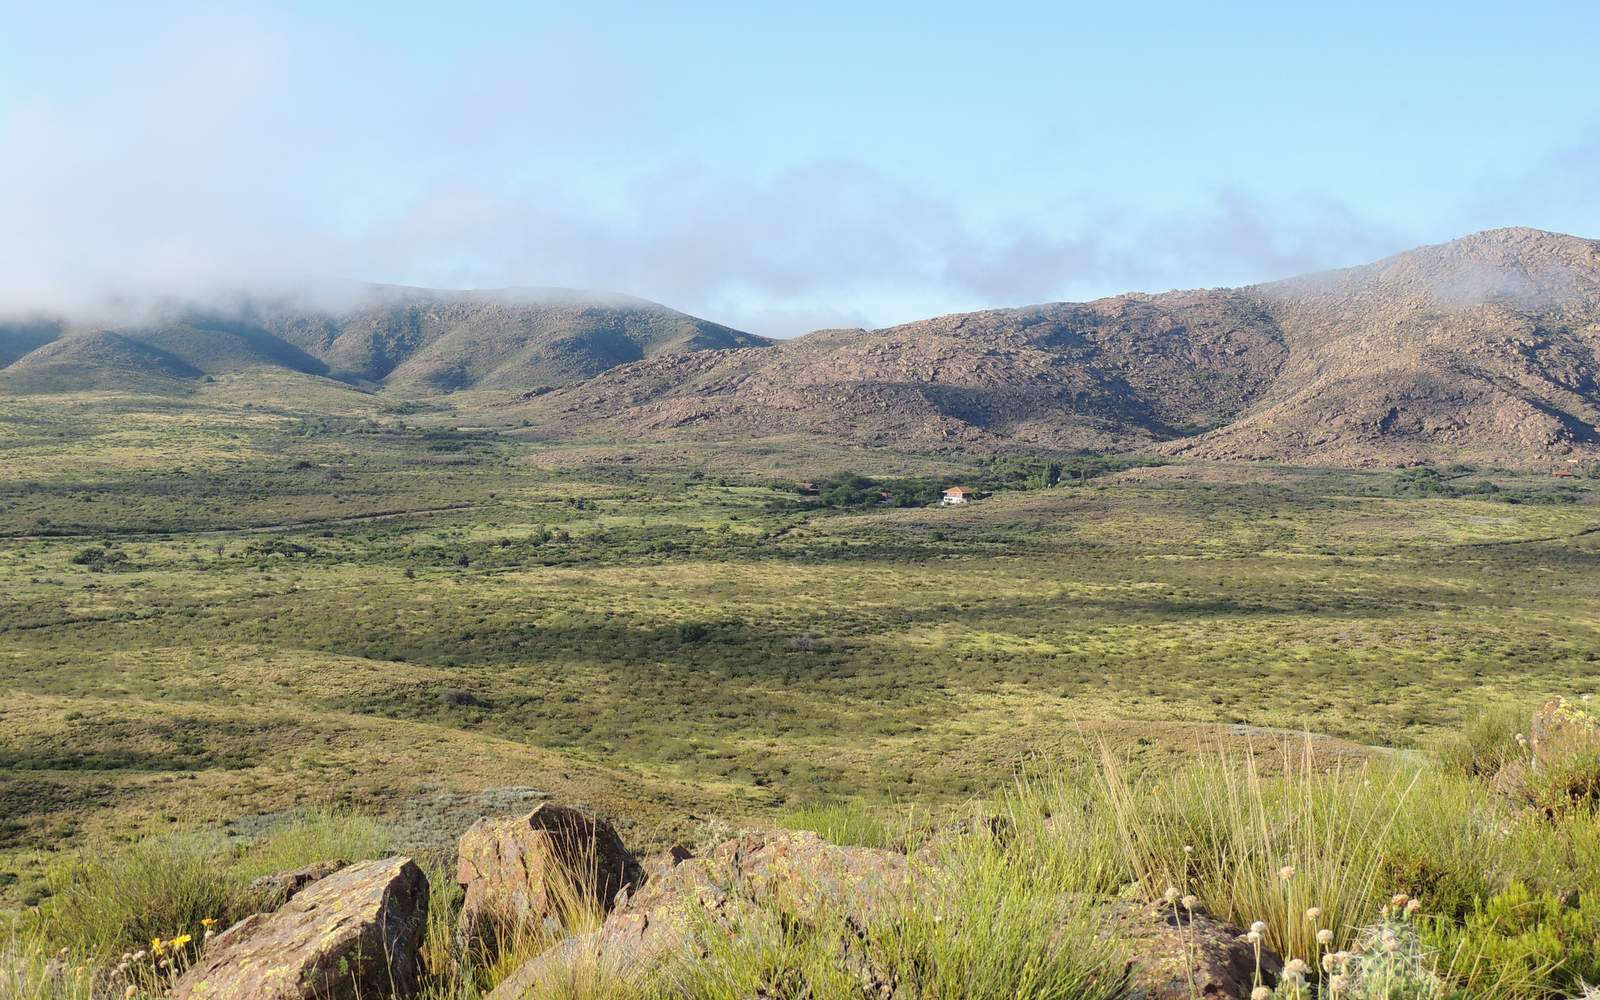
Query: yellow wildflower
pixel 181 940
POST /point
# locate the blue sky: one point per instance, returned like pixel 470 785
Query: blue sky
pixel 778 167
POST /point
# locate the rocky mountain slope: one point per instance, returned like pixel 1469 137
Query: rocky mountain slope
pixel 1485 348
pixel 416 340
pixel 1114 373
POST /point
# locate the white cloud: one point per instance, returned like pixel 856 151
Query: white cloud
pixel 241 151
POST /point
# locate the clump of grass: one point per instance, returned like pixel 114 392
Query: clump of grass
pixel 106 903
pixel 992 921
pixel 854 823
pixel 1486 743
pixel 111 901
pixel 31 969
pixel 319 835
pixel 1001 918
pixel 1255 849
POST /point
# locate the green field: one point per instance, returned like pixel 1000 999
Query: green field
pixel 273 595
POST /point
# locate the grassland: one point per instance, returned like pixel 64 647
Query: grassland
pixel 273 595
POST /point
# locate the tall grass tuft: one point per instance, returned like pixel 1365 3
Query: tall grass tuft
pixel 1001 916
pixel 114 900
pixel 1310 849
pixel 1486 743
pixel 320 835
pixel 109 902
pixel 853 823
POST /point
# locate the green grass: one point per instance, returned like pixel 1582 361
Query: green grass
pixel 691 639
pixel 255 601
pixel 1024 903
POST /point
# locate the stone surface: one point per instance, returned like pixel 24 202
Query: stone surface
pixel 1183 956
pixel 656 866
pixel 269 892
pixel 519 872
pixel 797 868
pixel 351 935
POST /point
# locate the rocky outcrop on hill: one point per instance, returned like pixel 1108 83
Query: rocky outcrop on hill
pixel 269 892
pixel 1486 348
pixel 353 934
pixel 528 871
pixel 348 932
pixel 806 873
pixel 1183 954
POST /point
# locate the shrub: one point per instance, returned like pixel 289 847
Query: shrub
pixel 1523 943
pixel 1486 743
pixel 100 557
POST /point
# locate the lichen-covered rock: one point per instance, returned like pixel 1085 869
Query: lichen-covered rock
pixel 352 935
pixel 269 892
pixel 797 869
pixel 656 866
pixel 1187 955
pixel 518 873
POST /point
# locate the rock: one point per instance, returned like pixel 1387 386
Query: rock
pixel 1168 951
pixel 269 892
pixel 519 873
pixel 353 934
pixel 797 868
pixel 656 866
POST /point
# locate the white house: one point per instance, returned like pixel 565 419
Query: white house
pixel 955 495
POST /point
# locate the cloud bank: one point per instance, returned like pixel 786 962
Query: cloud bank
pixel 238 152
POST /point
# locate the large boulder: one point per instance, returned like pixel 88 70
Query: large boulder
pixel 795 868
pixel 269 892
pixel 1187 955
pixel 354 934
pixel 520 873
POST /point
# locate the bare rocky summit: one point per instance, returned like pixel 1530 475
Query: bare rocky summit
pixel 1484 348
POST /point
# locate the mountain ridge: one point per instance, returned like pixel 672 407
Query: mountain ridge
pixel 421 340
pixel 1481 348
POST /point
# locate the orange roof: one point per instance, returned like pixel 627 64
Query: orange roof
pixel 956 489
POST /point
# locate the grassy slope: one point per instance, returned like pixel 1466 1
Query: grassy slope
pixel 621 634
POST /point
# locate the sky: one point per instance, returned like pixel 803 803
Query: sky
pixel 776 167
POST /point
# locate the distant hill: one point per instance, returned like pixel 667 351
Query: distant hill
pixel 1485 348
pixel 1115 373
pixel 99 359
pixel 416 340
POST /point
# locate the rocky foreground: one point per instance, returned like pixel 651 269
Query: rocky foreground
pixel 356 931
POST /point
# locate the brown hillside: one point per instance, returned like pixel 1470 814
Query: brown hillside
pixel 1128 370
pixel 1483 348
